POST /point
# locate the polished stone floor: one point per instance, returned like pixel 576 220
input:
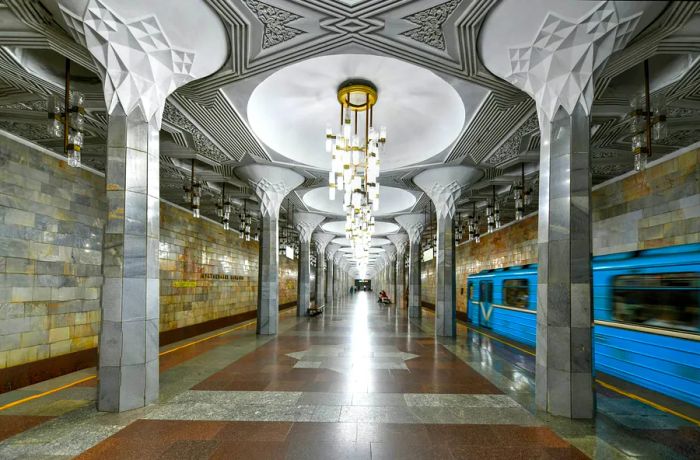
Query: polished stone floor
pixel 359 381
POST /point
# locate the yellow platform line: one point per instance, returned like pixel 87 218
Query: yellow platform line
pixel 602 383
pixel 91 377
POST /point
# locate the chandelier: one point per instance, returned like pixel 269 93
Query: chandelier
pixel 521 194
pixel 66 119
pixel 193 193
pixel 223 208
pixel 647 122
pixel 355 162
pixel 493 212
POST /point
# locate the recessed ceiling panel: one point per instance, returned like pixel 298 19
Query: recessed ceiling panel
pixel 291 108
pixel 380 228
pixel 391 201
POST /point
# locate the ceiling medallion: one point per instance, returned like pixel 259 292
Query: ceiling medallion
pixel 355 163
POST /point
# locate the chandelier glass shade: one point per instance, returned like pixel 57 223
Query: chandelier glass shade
pixel 355 152
pixel 66 119
pixel 647 121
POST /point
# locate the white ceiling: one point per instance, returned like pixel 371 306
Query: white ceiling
pixel 391 201
pixel 380 228
pixel 515 23
pixel 424 114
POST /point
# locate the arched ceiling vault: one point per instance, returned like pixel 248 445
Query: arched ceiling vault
pixel 209 119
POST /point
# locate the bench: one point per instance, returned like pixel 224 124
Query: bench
pixel 314 311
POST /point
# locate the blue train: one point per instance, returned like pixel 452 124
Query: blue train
pixel 646 309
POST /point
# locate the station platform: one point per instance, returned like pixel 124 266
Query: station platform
pixel 359 381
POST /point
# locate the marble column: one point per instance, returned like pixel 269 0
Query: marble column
pixel 413 224
pixel 444 186
pixel 271 185
pixel 128 338
pixel 400 240
pixel 321 240
pixel 331 250
pixel 337 289
pixel 128 342
pixel 391 271
pixel 305 224
pixel 557 68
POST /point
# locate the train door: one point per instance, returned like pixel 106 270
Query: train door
pixel 472 303
pixel 485 303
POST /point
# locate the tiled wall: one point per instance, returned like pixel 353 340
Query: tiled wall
pixel 660 207
pixel 655 208
pixel 51 220
pixel 288 280
pixel 51 223
pixel 427 281
pixel 206 273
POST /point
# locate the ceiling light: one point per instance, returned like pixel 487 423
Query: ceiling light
pixel 355 162
pixel 67 119
pixel 647 121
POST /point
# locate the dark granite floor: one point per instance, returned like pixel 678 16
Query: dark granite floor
pixel 359 381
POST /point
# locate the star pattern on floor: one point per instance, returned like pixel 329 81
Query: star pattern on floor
pixel 347 359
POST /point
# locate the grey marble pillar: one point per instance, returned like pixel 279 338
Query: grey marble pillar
pixel 320 278
pixel 321 239
pixel 128 343
pixel 271 184
pixel 564 361
pixel 413 224
pixel 331 250
pixel 391 271
pixel 400 240
pixel 445 279
pixel 444 186
pixel 556 60
pixel 304 277
pixel 305 223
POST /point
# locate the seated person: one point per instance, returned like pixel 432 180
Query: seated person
pixel 383 297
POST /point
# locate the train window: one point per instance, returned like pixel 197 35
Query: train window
pixel 486 291
pixel 515 293
pixel 471 291
pixel 668 300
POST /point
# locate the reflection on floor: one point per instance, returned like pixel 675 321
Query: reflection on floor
pixel 359 381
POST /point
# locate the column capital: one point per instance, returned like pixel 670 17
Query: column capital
pixel 444 186
pixel 331 249
pixel 143 58
pixel 413 224
pixel 271 185
pixel 321 240
pixel 555 60
pixel 400 241
pixel 390 251
pixel 305 223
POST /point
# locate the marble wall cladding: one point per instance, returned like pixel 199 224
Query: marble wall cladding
pixel 654 208
pixel 51 224
pixel 206 272
pixel 427 281
pixel 288 281
pixel 658 207
pixel 51 236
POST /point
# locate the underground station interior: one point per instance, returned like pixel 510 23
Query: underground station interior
pixel 349 229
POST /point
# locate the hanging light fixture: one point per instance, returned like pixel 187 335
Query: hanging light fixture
pixel 522 194
pixel 241 221
pixel 223 208
pixel 355 162
pixel 66 118
pixel 473 225
pixel 193 193
pixel 647 122
pixel 490 214
pixel 459 228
